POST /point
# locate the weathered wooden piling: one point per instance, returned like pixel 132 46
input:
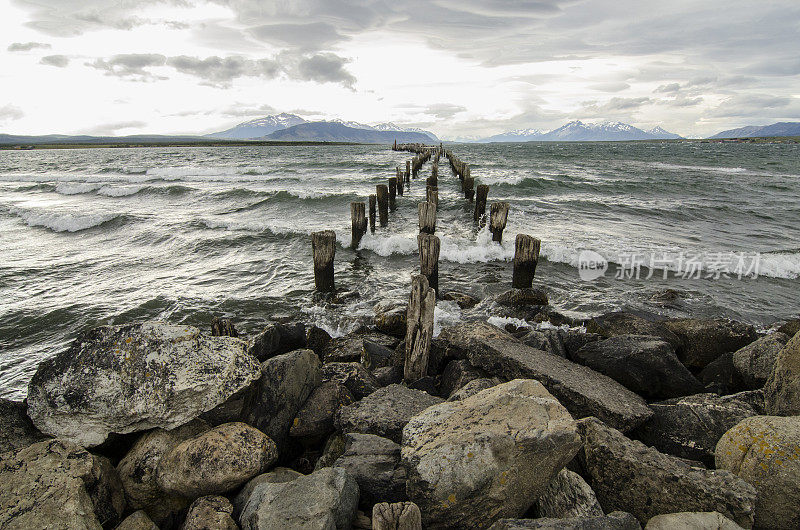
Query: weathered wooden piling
pixel 323 245
pixel 432 181
pixel 408 170
pixel 432 195
pixel 428 246
pixel 480 204
pixel 382 192
pixel 223 327
pixel 359 223
pixel 419 328
pixel 427 217
pixel 469 185
pixel 372 213
pixel 392 194
pixel 498 214
pixel 526 256
pixel 399 182
pixel 396 516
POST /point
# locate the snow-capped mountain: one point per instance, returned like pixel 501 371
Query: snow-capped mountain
pixel 519 135
pixel 578 131
pixel 259 127
pixel 660 132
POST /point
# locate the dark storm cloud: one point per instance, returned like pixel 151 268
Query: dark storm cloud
pixel 59 61
pixel 11 113
pixel 27 46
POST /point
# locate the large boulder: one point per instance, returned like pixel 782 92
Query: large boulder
pixel 391 319
pixel 624 323
pixel 211 512
pixel 790 327
pixel 754 362
pixel 458 373
pixel 627 475
pixel 489 456
pixel 16 429
pixel 326 499
pixel 782 391
pixel 581 390
pixel 131 378
pixel 690 427
pixel 57 484
pixel 275 476
pixel 349 348
pixel 691 521
pixel 702 341
pixel 720 376
pixel 473 387
pixel 549 340
pixel 522 297
pixel 138 520
pixel 315 417
pixel 645 364
pixel 384 412
pixel 568 495
pixel 276 339
pixel 358 380
pixel 286 382
pixel 612 521
pixel 765 451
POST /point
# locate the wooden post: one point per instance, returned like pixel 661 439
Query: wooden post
pixel 399 177
pixel 323 245
pixel 372 213
pixel 526 255
pixel 382 191
pixel 432 181
pixel 396 516
pixel 469 191
pixel 427 217
pixel 222 327
pixel 480 203
pixel 428 246
pixel 408 170
pixel 392 194
pixel 419 328
pixel 395 145
pixel 498 214
pixel 432 195
pixel 359 223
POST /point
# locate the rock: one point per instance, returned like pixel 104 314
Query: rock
pixel 358 380
pixel 137 470
pixel 388 375
pixel 720 376
pixel 765 451
pixel 690 427
pixel 754 362
pixel 276 476
pixel 782 390
pixel 575 340
pixel 315 417
pixel 473 387
pixel 790 327
pixel 548 340
pixel 216 461
pixel 522 297
pixel 627 475
pixel 384 412
pixel 623 323
pixel 458 373
pixel 349 348
pixel 705 340
pixel 211 512
pixel 647 365
pixel 361 521
pixel 16 429
pixel 396 516
pixel 391 319
pixel 223 327
pixel 57 484
pixel 285 384
pixel 463 300
pixel 568 495
pixel 277 339
pixel 691 521
pixel 138 520
pixel 326 499
pixel 581 390
pixel 612 521
pixel 318 340
pixel 131 378
pixel 376 356
pixel 427 384
pixel 474 461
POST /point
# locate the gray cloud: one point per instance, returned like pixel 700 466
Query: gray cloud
pixel 59 61
pixel 222 70
pixel 111 129
pixel 312 36
pixel 610 87
pixel 27 46
pixel 325 68
pixel 131 65
pixel 671 88
pixel 756 105
pixel 11 113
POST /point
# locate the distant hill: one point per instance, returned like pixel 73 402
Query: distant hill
pixel 577 131
pixel 785 128
pixel 520 135
pixel 326 131
pixel 14 139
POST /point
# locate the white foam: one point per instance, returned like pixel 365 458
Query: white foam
pixel 75 188
pixel 62 222
pixel 501 322
pixel 119 191
pixel 780 265
pixel 445 314
pixel 480 250
pixel 387 245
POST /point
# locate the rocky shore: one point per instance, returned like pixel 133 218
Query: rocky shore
pixel 625 421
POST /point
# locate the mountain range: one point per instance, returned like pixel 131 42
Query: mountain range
pixel 784 128
pixel 326 131
pixel 577 131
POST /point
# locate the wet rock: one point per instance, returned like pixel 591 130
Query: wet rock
pixel 647 365
pixel 522 297
pixel 548 340
pixel 375 464
pixel 782 391
pixel 612 521
pixel 223 327
pixel 568 495
pixel 790 327
pixel 284 386
pixel 210 513
pixel 473 387
pixel 376 356
pixel 324 500
pixel 720 376
pixel 276 476
pixel 315 417
pixel 705 340
pixel 318 340
pixel 396 516
pixel 765 451
pixel 754 362
pixel 131 378
pixel 137 470
pixel 388 375
pixel 463 300
pixel 391 319
pixel 384 412
pixel 57 484
pixel 627 475
pixel 574 340
pixel 690 427
pixel 216 461
pixel 349 348
pixel 623 323
pixel 16 429
pixel 358 380
pixel 690 521
pixel 276 339
pixel 474 461
pixel 581 390
pixel 138 520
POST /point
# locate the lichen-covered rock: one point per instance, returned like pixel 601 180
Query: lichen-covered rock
pixel 391 319
pixel 348 348
pixel 568 495
pixel 276 476
pixel 388 375
pixel 463 300
pixel 16 429
pixel 216 461
pixel 782 391
pixel 358 380
pixel 375 464
pixel 790 327
pixel 522 297
pixel 691 521
pixel 702 341
pixel 489 456
pixel 326 499
pixel 754 362
pixel 612 521
pixel 473 387
pixel 629 476
pixel 211 512
pixel 276 339
pixel 623 323
pixel 765 451
pixel 374 356
pixel 138 520
pixel 136 377
pixel 384 412
pixel 549 340
pixel 57 484
pixel 315 417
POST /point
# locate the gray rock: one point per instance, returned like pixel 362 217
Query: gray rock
pixel 720 376
pixel 463 300
pixel 522 297
pixel 349 348
pixel 691 426
pixel 765 451
pixel 384 412
pixel 358 380
pixel 57 484
pixel 315 417
pixel 375 464
pixel 627 475
pixel 489 456
pixel 276 476
pixel 396 516
pixel 391 319
pixel 388 375
pixel 375 356
pixel 581 390
pixel 131 378
pixel 549 340
pixel 705 340
pixel 782 391
pixel 575 340
pixel 277 339
pixel 16 429
pixel 138 520
pixel 216 461
pixel 754 362
pixel 473 387
pixel 458 373
pixel 286 382
pixel 210 513
pixel 790 328
pixel 568 495
pixel 691 521
pixel 326 499
pixel 318 340
pixel 612 521
pixel 645 364
pixel 623 323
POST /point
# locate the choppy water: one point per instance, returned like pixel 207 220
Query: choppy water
pixel 113 235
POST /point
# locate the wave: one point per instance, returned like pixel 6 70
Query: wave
pixel 294 196
pixel 66 222
pixel 481 250
pixel 76 188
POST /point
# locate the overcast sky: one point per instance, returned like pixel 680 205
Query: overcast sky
pixel 457 67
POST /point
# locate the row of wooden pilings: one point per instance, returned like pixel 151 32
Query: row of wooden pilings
pixel 425 286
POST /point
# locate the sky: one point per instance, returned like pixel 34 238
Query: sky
pixel 460 68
